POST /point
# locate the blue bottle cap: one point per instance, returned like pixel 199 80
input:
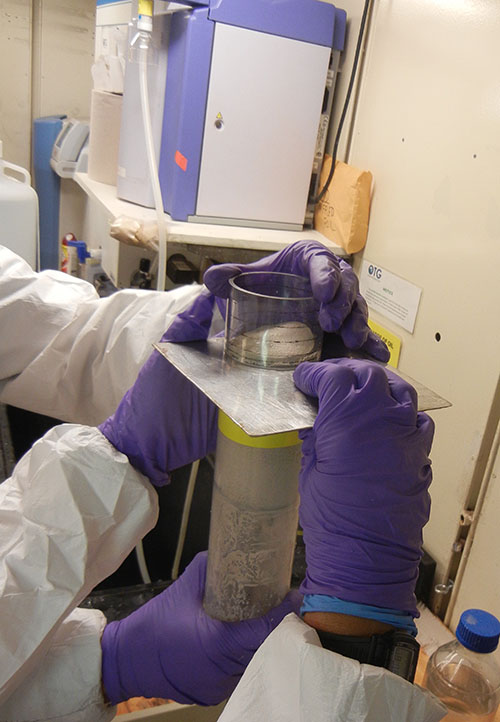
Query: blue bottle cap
pixel 478 631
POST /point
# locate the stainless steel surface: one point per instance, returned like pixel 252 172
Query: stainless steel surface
pixel 260 401
pixel 427 400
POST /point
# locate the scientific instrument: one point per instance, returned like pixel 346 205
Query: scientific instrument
pixel 69 146
pixel 244 113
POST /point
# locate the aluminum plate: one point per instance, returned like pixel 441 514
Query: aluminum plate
pixel 260 401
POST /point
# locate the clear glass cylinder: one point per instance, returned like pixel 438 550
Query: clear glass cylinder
pixel 253 524
pixel 272 320
pixel 465 680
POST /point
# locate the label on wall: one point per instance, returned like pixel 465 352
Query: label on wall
pixel 390 295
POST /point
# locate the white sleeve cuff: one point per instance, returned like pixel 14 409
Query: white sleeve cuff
pixel 294 677
pixel 66 684
pixel 66 352
pixel 72 511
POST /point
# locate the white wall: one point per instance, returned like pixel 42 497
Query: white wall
pixel 46 50
pixel 64 46
pixel 427 126
pixel 15 80
pixel 480 587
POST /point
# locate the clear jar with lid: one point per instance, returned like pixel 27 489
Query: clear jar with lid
pixel 463 673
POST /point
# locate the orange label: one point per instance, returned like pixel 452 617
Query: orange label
pixel 181 160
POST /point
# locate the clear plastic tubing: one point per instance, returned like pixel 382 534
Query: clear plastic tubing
pixel 272 320
pixel 141 44
pixel 253 524
pixel 464 674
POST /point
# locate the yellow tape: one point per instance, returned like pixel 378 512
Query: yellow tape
pixel 393 342
pixel 145 8
pixel 271 441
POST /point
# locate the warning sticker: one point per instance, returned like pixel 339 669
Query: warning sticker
pixel 181 160
pixel 392 342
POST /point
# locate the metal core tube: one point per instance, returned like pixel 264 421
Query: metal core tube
pixel 253 524
pixel 272 323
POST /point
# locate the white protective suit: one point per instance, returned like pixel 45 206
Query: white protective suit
pixel 291 678
pixel 74 508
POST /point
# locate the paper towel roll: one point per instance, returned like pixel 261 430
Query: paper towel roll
pixel 105 118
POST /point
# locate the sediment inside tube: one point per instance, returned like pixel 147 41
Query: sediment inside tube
pixel 281 346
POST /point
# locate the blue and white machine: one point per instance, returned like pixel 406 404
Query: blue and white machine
pixel 245 94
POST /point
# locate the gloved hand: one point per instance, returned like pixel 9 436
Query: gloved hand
pixel 163 422
pixel 171 649
pixel 334 285
pixel 363 484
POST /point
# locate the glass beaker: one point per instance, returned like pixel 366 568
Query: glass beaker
pixel 272 320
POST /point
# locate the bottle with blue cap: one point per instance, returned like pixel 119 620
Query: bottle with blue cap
pixel 464 673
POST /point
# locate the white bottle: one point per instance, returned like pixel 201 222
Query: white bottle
pixel 18 212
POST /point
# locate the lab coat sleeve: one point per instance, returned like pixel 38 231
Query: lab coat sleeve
pixel 69 354
pixel 72 511
pixel 67 685
pixel 291 677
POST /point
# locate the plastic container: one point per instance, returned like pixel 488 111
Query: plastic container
pixel 272 321
pixel 18 211
pixel 68 260
pixel 464 674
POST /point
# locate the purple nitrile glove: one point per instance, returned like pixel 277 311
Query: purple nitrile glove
pixel 334 285
pixel 194 323
pixel 169 648
pixel 363 483
pixel 163 422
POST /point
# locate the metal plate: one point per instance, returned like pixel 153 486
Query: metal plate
pixel 260 401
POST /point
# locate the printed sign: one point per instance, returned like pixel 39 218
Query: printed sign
pixel 390 295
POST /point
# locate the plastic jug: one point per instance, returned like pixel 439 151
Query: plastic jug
pixel 464 673
pixel 18 211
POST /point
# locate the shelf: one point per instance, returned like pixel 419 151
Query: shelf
pixel 260 239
